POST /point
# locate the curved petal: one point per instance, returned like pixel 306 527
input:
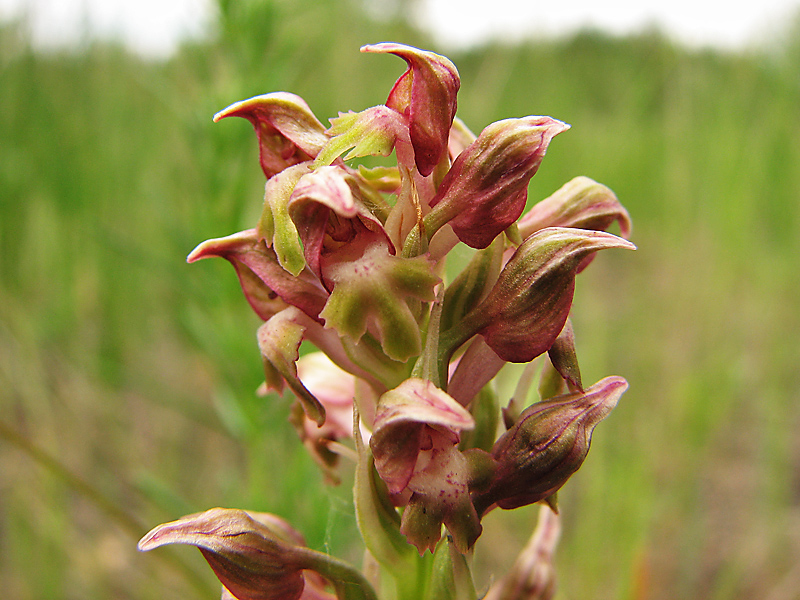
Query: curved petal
pixel 375 131
pixel 275 225
pixel 246 249
pixel 426 93
pixel 279 341
pixel 288 132
pixel 335 389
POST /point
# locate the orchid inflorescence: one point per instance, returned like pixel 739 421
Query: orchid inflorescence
pixel 351 259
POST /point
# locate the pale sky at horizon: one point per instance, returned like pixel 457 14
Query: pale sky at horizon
pixel 154 27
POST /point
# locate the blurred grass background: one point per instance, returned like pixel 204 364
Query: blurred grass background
pixel 127 378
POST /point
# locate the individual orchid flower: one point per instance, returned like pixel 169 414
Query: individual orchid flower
pixel 485 190
pixel 334 219
pixel 288 132
pixel 548 443
pixel 258 556
pixel 309 215
pixel 415 446
pixel 426 95
pixel 290 307
pixel 529 304
pixel 253 555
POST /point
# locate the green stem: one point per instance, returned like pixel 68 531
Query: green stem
pixel 439 216
pixel 427 365
pixel 350 583
pixel 450 341
pixel 415 588
pixel 369 356
pixel 451 578
pixel 523 388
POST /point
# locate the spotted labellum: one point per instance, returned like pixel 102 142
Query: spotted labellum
pixel 401 381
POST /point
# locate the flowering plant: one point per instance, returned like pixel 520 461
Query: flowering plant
pixel 352 260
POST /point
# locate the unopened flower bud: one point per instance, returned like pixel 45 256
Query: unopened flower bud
pixel 547 445
pixel 258 556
